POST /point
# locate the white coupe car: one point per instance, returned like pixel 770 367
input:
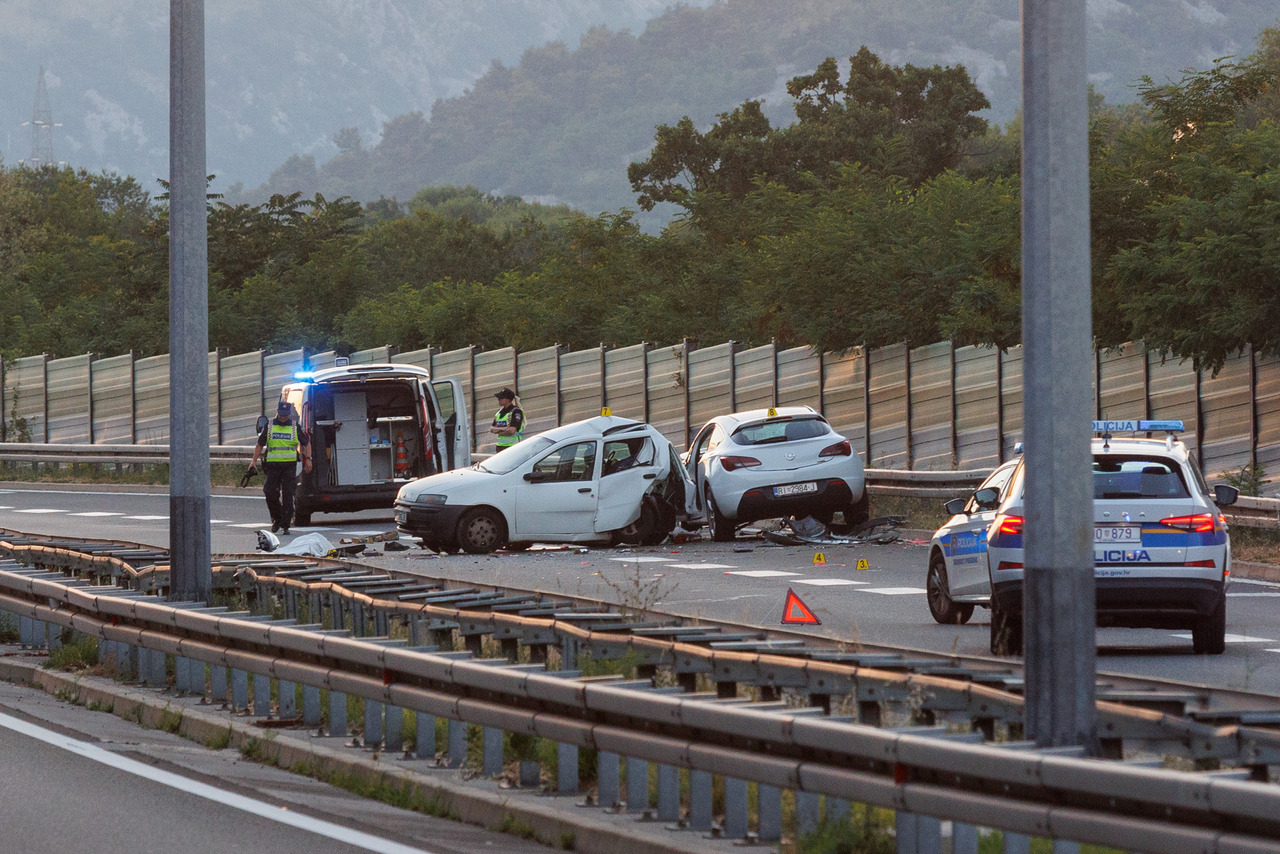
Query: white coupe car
pixel 605 479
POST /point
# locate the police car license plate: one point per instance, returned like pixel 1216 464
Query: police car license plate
pixel 401 517
pixel 1123 535
pixel 795 489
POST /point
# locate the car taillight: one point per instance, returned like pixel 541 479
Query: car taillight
pixel 839 449
pixel 731 463
pixel 1009 525
pixel 1201 523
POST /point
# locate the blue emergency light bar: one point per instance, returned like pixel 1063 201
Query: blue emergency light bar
pixel 1137 426
pixel 305 376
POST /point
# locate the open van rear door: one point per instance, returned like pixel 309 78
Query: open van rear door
pixel 452 427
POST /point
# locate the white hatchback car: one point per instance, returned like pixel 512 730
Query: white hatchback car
pixel 1162 554
pixel 599 480
pixel 769 463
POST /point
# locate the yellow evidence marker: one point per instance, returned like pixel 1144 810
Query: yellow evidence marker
pixel 819 559
pixel 862 564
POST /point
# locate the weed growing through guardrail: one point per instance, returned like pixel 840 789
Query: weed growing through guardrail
pixel 80 654
pixel 219 741
pixel 170 721
pixel 9 629
pixel 865 833
pixel 636 594
pixel 1250 480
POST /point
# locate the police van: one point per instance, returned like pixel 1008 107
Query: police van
pixel 1162 554
pixel 373 428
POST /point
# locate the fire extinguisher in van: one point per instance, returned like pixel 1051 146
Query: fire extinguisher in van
pixel 402 457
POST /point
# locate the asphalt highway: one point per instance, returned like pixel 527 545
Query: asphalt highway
pixel 743 582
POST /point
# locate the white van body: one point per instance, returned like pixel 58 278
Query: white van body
pixel 373 428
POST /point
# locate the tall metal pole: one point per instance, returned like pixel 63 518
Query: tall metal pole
pixel 189 535
pixel 1059 598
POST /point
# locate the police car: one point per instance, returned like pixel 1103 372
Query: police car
pixel 957 579
pixel 1162 555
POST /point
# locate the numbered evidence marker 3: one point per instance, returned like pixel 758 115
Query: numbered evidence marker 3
pixel 863 563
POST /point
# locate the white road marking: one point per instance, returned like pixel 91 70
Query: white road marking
pixel 96 513
pixel 146 518
pixel 282 815
pixel 762 573
pixel 1231 638
pixel 700 565
pixel 893 591
pixel 641 559
pixel 829 582
pixel 1253 595
pixel 41 510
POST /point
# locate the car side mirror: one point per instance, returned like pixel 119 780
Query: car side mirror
pixel 987 498
pixel 1225 496
pixel 537 476
pixel 955 506
pixel 263 421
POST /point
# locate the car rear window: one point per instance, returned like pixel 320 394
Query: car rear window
pixel 791 430
pixel 1116 476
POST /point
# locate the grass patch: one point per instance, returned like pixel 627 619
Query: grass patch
pixel 1255 545
pixel 81 654
pixel 922 513
pixel 170 721
pixel 405 795
pixel 220 474
pixel 513 826
pixel 220 741
pixel 9 629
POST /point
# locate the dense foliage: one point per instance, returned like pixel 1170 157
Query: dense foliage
pixel 887 212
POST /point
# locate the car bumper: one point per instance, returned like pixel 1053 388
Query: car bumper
pixel 763 503
pixel 433 523
pixel 1151 603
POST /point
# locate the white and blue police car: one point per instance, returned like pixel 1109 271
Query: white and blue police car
pixel 957 580
pixel 1162 554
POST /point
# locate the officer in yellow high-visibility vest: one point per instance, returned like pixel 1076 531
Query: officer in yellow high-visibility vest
pixel 508 424
pixel 282 442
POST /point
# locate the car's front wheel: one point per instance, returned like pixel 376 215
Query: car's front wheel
pixel 1209 634
pixel 646 530
pixel 481 530
pixel 938 593
pixel 722 530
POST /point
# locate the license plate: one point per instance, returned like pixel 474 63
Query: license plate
pixel 1123 535
pixel 401 516
pixel 795 489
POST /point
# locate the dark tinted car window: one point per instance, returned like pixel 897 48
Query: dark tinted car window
pixel 1126 476
pixel 781 431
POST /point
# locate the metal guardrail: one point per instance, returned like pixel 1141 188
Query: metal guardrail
pixel 31 452
pixel 923 772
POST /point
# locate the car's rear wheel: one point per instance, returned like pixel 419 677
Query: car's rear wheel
pixel 938 593
pixel 646 530
pixel 481 530
pixel 1006 630
pixel 859 511
pixel 722 530
pixel 1209 634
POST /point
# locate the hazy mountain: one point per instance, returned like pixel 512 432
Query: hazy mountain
pixel 282 76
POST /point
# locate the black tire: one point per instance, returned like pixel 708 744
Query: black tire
pixel 938 594
pixel 859 511
pixel 301 518
pixel 1006 631
pixel 481 531
pixel 722 530
pixel 646 530
pixel 1209 634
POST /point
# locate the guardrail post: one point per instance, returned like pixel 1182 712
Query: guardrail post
pixel 286 699
pixel 769 813
pixel 700 801
pixel 608 791
pixel 637 785
pixel 1062 846
pixel 126 661
pixel 424 746
pixel 838 812
pixel 964 838
pixel 668 793
pixel 492 765
pixel 55 636
pixel 337 715
pixel 156 665
pixel 311 705
pixel 808 813
pixel 735 808
pixel 261 695
pixel 26 631
pixel 239 690
pixel 393 740
pixel 569 654
pixel 567 769
pixel 1016 843
pixel 457 744
pixel 918 834
pixel 372 723
pixel 181 675
pixel 218 685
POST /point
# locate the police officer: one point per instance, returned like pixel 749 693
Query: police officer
pixel 283 442
pixel 508 424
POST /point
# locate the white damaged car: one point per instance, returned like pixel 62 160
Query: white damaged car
pixel 605 479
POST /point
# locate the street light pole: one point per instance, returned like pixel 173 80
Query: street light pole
pixel 189 490
pixel 1059 597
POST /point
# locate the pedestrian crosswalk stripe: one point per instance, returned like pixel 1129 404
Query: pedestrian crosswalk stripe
pixel 97 513
pixel 893 591
pixel 700 565
pixel 829 582
pixel 762 573
pixel 41 510
pixel 147 518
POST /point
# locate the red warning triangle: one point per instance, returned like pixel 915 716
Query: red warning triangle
pixel 795 611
